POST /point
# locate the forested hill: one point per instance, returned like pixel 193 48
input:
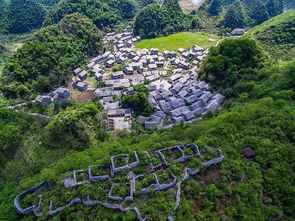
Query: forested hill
pixel 261 116
pixel 47 59
pixel 158 20
pixel 19 16
pixel 103 13
pixel 277 35
pixel 241 13
pixel 289 4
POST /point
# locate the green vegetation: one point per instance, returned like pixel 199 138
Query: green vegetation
pixel 138 101
pixel 232 65
pixel 260 113
pixel 76 127
pixel 48 58
pixel 25 15
pixel 237 14
pixel 4 22
pixel 263 187
pixel 12 127
pixel 276 35
pixel 2 49
pixel 9 44
pixel 20 16
pixel 104 14
pixel 179 40
pixel 155 20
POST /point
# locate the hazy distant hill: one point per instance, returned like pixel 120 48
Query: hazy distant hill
pixel 20 16
pixel 241 13
pixel 289 4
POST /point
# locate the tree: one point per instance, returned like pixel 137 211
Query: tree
pixel 25 15
pixel 230 62
pixel 46 60
pixel 215 7
pixel 138 101
pixel 235 16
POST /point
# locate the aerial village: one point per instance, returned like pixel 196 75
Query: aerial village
pixel 175 92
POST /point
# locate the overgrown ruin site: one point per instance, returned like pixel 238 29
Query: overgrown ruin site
pixel 126 184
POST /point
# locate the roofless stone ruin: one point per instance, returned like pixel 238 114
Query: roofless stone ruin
pixel 123 171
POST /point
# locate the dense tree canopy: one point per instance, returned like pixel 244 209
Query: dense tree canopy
pixel 77 127
pixel 242 13
pixel 25 15
pixel 12 127
pixel 48 58
pixel 4 21
pixel 20 16
pixel 2 49
pixel 232 62
pixel 103 13
pixel 235 16
pixel 155 20
pixel 138 101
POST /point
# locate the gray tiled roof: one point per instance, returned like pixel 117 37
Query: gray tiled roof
pixel 177 103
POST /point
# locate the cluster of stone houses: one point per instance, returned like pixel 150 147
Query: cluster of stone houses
pixel 181 97
pixel 56 96
pixel 97 174
pixel 171 78
pixel 185 100
pixel 78 79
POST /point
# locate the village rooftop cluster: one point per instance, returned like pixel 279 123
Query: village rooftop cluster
pixel 175 92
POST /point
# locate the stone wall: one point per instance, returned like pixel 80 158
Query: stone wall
pixel 114 169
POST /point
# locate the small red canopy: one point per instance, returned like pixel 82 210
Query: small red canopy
pixel 248 152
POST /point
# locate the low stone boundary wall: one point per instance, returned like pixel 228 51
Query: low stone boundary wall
pixel 114 169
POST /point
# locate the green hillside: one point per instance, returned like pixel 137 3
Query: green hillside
pixel 45 61
pixel 242 168
pixel 157 20
pixel 105 14
pixel 237 14
pixel 21 16
pixel 236 189
pixel 277 36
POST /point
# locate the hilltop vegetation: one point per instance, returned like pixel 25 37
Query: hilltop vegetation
pixel 232 65
pixel 3 16
pixel 20 16
pixel 277 36
pixel 47 59
pixel 159 20
pixel 77 127
pixel 237 14
pixel 104 14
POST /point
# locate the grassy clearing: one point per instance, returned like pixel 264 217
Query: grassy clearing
pixel 179 40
